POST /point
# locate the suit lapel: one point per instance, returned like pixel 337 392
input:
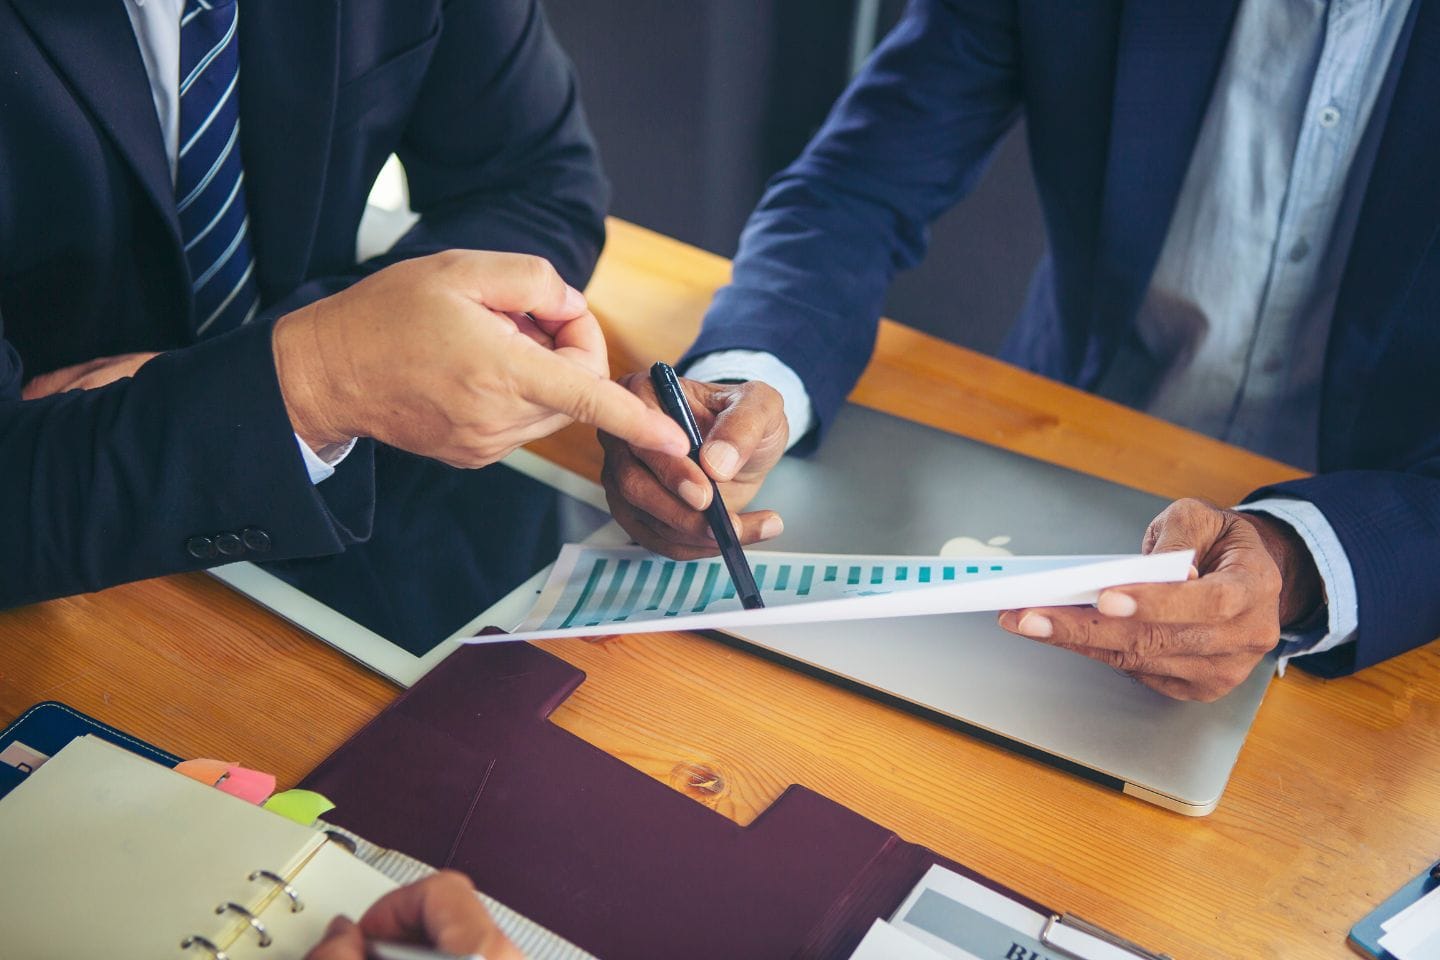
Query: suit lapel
pixel 1399 223
pixel 93 44
pixel 1170 52
pixel 288 75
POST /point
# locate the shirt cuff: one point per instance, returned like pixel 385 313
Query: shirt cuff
pixel 321 465
pixel 767 368
pixel 1342 617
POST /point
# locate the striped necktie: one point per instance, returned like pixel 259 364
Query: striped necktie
pixel 209 181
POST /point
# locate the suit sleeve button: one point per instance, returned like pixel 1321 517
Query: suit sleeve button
pixel 229 544
pixel 256 540
pixel 201 548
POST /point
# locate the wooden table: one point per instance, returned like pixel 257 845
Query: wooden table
pixel 1335 800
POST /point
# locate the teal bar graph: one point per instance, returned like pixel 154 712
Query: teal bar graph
pixel 594 578
pixel 666 573
pixel 707 591
pixel 626 584
pixel 638 587
pixel 687 577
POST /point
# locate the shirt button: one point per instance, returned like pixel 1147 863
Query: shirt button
pixel 255 539
pixel 229 544
pixel 1299 251
pixel 201 548
pixel 1329 117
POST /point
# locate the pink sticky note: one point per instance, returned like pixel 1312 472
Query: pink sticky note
pixel 247 784
pixel 206 771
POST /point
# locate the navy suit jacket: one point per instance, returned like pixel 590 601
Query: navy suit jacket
pixel 1113 94
pixel 103 486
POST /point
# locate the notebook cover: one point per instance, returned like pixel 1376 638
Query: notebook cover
pixel 48 726
pixel 1365 935
pixel 465 770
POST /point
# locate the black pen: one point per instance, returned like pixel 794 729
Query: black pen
pixel 672 398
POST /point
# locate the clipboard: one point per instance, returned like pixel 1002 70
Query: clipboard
pixel 466 771
pixel 1365 936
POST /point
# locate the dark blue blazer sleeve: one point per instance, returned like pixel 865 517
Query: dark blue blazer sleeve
pixel 107 485
pixel 908 139
pixel 497 152
pixel 1389 524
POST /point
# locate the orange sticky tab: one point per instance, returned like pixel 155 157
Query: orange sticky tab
pixel 206 771
pixel 247 784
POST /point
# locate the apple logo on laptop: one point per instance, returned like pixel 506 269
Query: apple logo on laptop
pixel 972 547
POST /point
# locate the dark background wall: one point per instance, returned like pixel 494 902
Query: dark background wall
pixel 697 104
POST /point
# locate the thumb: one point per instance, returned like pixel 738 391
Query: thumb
pixel 1185 525
pixel 749 432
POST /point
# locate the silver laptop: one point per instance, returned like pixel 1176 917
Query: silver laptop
pixel 454 551
pixel 887 486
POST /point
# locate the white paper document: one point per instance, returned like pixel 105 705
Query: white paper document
pixel 884 942
pixel 594 592
pixel 1414 933
pixel 961 919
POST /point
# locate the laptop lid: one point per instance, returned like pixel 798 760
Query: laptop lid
pixel 884 485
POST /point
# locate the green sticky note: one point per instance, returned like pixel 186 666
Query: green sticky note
pixel 302 806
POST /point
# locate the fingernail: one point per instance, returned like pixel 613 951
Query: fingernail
pixel 694 494
pixel 1007 620
pixel 1194 572
pixel 574 301
pixel 771 528
pixel 1114 604
pixel 1034 625
pixel 723 459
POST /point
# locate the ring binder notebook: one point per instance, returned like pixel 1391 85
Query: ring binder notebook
pixel 165 866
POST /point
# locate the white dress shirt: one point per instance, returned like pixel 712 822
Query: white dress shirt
pixel 157 32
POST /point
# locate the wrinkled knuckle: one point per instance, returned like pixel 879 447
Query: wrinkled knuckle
pixel 1151 640
pixel 633 485
pixel 1130 660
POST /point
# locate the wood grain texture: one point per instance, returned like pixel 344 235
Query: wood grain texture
pixel 1334 802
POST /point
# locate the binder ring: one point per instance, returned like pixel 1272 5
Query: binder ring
pixel 342 839
pixel 250 918
pixel 204 943
pixel 296 904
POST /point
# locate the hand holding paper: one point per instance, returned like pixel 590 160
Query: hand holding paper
pixel 595 592
pixel 1199 639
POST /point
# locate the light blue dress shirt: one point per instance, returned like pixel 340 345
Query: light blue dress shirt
pixel 1230 339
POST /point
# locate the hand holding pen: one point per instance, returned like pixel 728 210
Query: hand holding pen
pixel 660 499
pixel 441 912
pixel 674 402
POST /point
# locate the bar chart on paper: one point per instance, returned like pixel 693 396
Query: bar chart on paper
pixel 593 591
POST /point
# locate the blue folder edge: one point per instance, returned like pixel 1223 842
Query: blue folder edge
pixel 46 727
pixel 1365 935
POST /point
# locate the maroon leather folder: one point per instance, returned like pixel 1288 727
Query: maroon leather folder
pixel 465 771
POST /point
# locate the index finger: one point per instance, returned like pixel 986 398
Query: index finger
pixel 560 384
pixel 1213 598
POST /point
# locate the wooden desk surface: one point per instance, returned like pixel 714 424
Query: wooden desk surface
pixel 1335 800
